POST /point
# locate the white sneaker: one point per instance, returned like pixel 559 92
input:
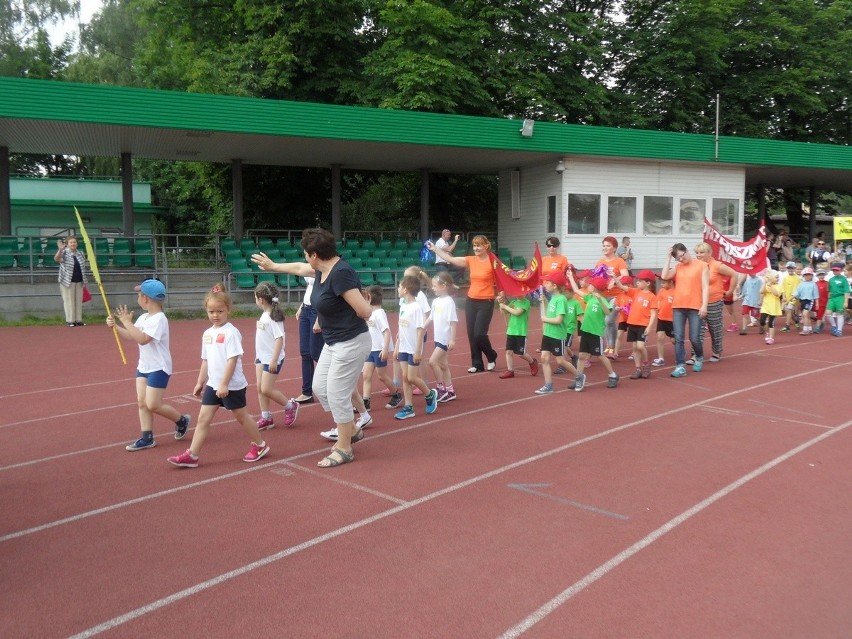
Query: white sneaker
pixel 490 366
pixel 330 435
pixel 364 421
pixel 658 362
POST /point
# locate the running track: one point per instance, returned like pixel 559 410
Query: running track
pixel 715 506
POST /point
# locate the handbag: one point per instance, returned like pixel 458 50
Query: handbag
pixel 87 296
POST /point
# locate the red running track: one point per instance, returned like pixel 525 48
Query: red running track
pixel 715 505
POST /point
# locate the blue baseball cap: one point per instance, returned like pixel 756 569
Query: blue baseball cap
pixel 153 289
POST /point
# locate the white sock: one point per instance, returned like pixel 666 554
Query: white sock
pixel 266 414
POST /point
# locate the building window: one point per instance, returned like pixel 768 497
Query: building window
pixel 621 215
pixel 584 213
pixel 692 212
pixel 658 215
pixel 551 215
pixel 726 215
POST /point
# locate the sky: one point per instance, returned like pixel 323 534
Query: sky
pixel 87 10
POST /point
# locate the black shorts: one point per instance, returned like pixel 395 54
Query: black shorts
pixel 635 333
pixel 622 326
pixel 234 400
pixel 591 344
pixel 806 305
pixel 516 343
pixel 665 326
pixel 552 345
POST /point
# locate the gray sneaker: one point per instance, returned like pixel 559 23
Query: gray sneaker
pixel 182 425
pixel 612 382
pixel 579 382
pixel 395 401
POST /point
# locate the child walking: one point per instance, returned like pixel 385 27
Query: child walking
pixel 807 294
pixel 269 351
pixel 221 382
pixel 409 348
pixel 592 329
pixel 424 280
pixel 381 347
pixel 838 299
pixel 640 320
pixel 516 310
pixel 750 289
pixel 557 316
pixel 445 319
pixel 151 333
pixel 665 317
pixel 770 307
pixel 822 287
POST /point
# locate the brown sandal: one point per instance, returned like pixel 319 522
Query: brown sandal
pixel 342 458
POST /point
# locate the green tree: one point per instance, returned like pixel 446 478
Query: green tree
pixel 25 48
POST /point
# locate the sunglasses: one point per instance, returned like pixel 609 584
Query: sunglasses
pixel 820 243
pixel 550 245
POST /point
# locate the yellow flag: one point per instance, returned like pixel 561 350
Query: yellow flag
pixel 93 263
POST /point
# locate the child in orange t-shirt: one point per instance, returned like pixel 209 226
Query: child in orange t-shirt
pixel 665 316
pixel 640 319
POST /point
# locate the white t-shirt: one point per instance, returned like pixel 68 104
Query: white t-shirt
pixel 218 345
pixel 310 289
pixel 443 315
pixel 155 355
pixel 442 244
pixel 268 331
pixel 411 318
pixel 378 324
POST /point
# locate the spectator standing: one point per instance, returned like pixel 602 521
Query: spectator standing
pixel 625 252
pixel 445 245
pixel 72 279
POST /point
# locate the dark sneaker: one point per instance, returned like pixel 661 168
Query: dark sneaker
pixel 141 443
pixel 612 382
pixel 431 402
pixel 181 426
pixel 394 401
pixel 534 367
pixel 448 396
pixel 560 370
pixel 636 374
pixel 367 403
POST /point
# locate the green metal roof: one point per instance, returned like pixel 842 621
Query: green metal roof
pixel 39 116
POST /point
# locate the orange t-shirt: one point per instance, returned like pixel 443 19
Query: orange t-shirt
pixel 717 286
pixel 553 263
pixel 641 305
pixel 617 265
pixel 481 278
pixel 665 299
pixel 622 299
pixel 687 290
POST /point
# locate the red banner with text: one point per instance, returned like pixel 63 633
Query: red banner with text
pixel 518 282
pixel 743 257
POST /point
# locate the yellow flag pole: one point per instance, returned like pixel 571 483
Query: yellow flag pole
pixel 93 263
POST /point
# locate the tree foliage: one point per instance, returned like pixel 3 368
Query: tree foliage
pixel 783 70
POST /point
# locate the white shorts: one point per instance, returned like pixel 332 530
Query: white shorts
pixel 337 374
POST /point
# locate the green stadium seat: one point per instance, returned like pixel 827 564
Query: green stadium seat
pixel 396 254
pixel 386 244
pixel 8 250
pixel 122 252
pixel 48 251
pixel 267 245
pixel 380 253
pixel 505 255
pixel 518 262
pixel 227 244
pixel 101 251
pixel 364 254
pixel 248 246
pixel 29 252
pixel 265 276
pixel 385 278
pixel 369 245
pixel 356 263
pixel 244 278
pixel 144 253
pixel 401 243
pixel 367 278
pixel 391 263
pixel 373 263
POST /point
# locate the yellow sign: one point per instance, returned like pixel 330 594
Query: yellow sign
pixel 842 228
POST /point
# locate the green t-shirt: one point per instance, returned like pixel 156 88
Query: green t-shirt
pixel 517 324
pixel 558 305
pixel 838 286
pixel 573 311
pixel 594 318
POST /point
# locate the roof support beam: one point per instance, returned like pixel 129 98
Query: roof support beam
pixel 237 188
pixel 127 195
pixel 761 203
pixel 812 220
pixel 5 193
pixel 424 204
pixel 336 215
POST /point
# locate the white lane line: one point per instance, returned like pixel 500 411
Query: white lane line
pixel 773 418
pixel 215 581
pixel 620 558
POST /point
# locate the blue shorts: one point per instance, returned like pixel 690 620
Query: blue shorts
pixel 407 357
pixel 235 399
pixel 443 347
pixel 266 367
pixel 375 357
pixel 155 379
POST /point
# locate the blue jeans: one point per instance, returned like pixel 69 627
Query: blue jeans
pixel 681 315
pixel 310 346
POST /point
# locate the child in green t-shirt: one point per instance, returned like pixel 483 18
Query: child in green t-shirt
pixel 557 315
pixel 592 328
pixel 516 311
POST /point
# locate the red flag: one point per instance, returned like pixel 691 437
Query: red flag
pixel 743 257
pixel 518 282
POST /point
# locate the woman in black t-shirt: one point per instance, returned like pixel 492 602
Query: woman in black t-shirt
pixel 342 313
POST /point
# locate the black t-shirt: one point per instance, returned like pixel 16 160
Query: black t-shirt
pixel 337 319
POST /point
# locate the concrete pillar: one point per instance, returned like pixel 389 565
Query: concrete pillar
pixel 237 188
pixel 424 204
pixel 127 216
pixel 812 192
pixel 5 193
pixel 336 209
pixel 761 203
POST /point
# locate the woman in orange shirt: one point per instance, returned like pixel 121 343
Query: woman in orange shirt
pixel 479 307
pixel 553 261
pixel 616 268
pixel 691 295
pixel 715 304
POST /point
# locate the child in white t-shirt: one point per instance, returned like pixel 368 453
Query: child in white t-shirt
pixel 409 348
pixel 445 320
pixel 151 333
